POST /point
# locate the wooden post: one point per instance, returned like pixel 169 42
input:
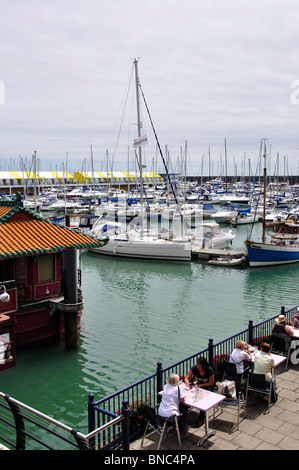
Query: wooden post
pixel 70 282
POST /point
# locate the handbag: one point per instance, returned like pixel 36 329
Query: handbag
pixel 227 388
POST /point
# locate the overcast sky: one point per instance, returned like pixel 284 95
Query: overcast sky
pixel 210 70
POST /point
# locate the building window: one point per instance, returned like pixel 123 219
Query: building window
pixel 46 268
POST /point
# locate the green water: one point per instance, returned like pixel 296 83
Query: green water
pixel 138 313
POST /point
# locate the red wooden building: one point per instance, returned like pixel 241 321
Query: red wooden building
pixel 39 280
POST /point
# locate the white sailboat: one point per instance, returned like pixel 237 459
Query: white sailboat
pixel 132 243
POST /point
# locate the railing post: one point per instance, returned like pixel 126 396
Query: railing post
pixel 20 425
pixel 91 418
pixel 250 332
pixel 211 352
pixel 159 379
pixel 282 310
pixel 125 425
pixel 82 444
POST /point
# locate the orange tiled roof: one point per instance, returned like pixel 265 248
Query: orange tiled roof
pixel 33 234
pixel 4 210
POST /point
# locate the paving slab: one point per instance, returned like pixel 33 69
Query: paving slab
pixel 259 430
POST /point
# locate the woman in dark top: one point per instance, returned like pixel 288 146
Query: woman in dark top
pixel 204 375
pixel 283 330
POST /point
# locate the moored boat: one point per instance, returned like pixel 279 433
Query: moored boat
pixel 227 261
pixel 131 243
pixel 283 247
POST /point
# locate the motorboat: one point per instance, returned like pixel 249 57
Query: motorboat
pixel 86 222
pixel 243 217
pixel 208 234
pixel 224 215
pixel 230 198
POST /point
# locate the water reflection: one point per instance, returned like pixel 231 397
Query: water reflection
pixel 267 289
pixel 138 313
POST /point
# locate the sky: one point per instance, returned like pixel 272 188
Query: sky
pixel 212 73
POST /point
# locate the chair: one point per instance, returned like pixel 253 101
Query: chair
pixel 257 383
pixel 159 424
pixel 279 346
pixel 230 373
pixel 237 404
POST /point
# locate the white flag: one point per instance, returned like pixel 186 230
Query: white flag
pixel 140 141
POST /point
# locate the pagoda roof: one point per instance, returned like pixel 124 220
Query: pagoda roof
pixel 24 233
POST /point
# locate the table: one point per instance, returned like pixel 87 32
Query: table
pixel 277 358
pixel 296 332
pixel 4 317
pixel 205 401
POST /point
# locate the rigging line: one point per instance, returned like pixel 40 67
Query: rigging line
pixel 259 194
pixel 163 160
pixel 123 113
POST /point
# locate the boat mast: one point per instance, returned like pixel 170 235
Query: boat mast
pixel 225 154
pixel 139 127
pixel 265 185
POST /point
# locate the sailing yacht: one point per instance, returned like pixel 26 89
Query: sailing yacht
pixel 127 242
pixel 132 243
pixel 283 247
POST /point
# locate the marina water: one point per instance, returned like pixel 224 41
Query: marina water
pixel 140 312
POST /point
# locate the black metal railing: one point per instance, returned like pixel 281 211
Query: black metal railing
pixel 24 428
pixel 146 390
pixel 113 420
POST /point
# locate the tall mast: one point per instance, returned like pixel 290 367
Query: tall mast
pixel 139 127
pixel 265 184
pixel 225 154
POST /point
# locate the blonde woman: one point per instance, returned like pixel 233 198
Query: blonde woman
pixel 173 403
pixel 240 354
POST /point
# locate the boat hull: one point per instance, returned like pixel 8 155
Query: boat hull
pixel 227 261
pixel 146 250
pixel 266 254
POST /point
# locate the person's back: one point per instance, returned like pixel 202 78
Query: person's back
pixel 170 401
pixel 263 362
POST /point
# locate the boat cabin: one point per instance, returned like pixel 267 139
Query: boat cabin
pixel 284 239
pixel 289 226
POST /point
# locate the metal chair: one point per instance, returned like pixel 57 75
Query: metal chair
pixel 158 424
pixel 257 383
pixel 281 347
pixel 230 373
pixel 238 403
